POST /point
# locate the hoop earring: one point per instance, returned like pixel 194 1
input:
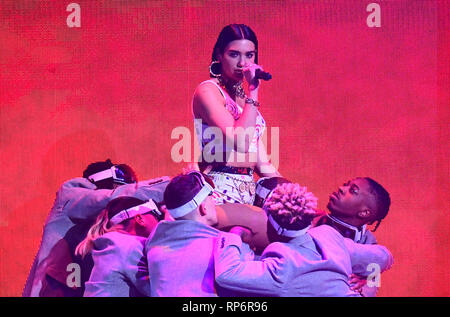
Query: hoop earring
pixel 211 71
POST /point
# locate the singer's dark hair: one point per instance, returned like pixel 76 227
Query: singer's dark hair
pixel 229 34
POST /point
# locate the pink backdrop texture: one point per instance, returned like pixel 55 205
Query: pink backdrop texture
pixel 349 100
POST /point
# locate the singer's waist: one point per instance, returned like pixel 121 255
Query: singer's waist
pixel 214 140
pixel 213 148
pixel 231 159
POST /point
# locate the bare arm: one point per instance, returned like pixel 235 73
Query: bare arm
pixel 209 105
pixel 264 166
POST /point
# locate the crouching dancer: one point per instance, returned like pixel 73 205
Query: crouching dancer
pixel 180 252
pixel 300 261
pixel 117 242
pixel 77 204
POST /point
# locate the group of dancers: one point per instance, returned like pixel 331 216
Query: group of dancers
pixel 212 230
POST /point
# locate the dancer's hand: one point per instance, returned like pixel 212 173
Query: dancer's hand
pixel 357 282
pixel 245 233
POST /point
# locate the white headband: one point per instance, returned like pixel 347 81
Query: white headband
pixel 134 211
pixel 109 173
pixel 193 203
pixel 101 175
pixel 284 232
pixel 262 192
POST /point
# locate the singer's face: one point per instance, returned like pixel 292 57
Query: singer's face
pixel 237 55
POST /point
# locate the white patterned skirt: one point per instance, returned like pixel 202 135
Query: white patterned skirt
pixel 233 188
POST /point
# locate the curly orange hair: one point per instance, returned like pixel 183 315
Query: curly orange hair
pixel 291 205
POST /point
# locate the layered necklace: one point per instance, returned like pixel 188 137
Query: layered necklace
pixel 236 89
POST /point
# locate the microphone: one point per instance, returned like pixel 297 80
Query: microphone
pixel 259 74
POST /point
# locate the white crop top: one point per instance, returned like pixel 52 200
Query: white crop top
pixel 235 110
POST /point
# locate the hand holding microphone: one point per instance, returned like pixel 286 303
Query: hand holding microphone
pixel 253 73
pixel 259 73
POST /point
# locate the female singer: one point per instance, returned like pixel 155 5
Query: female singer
pixel 227 118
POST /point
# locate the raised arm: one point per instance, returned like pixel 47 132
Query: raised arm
pixel 83 201
pixel 86 202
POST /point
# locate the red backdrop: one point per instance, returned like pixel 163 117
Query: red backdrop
pixel 349 100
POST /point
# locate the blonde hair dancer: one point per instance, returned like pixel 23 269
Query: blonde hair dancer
pixel 116 242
